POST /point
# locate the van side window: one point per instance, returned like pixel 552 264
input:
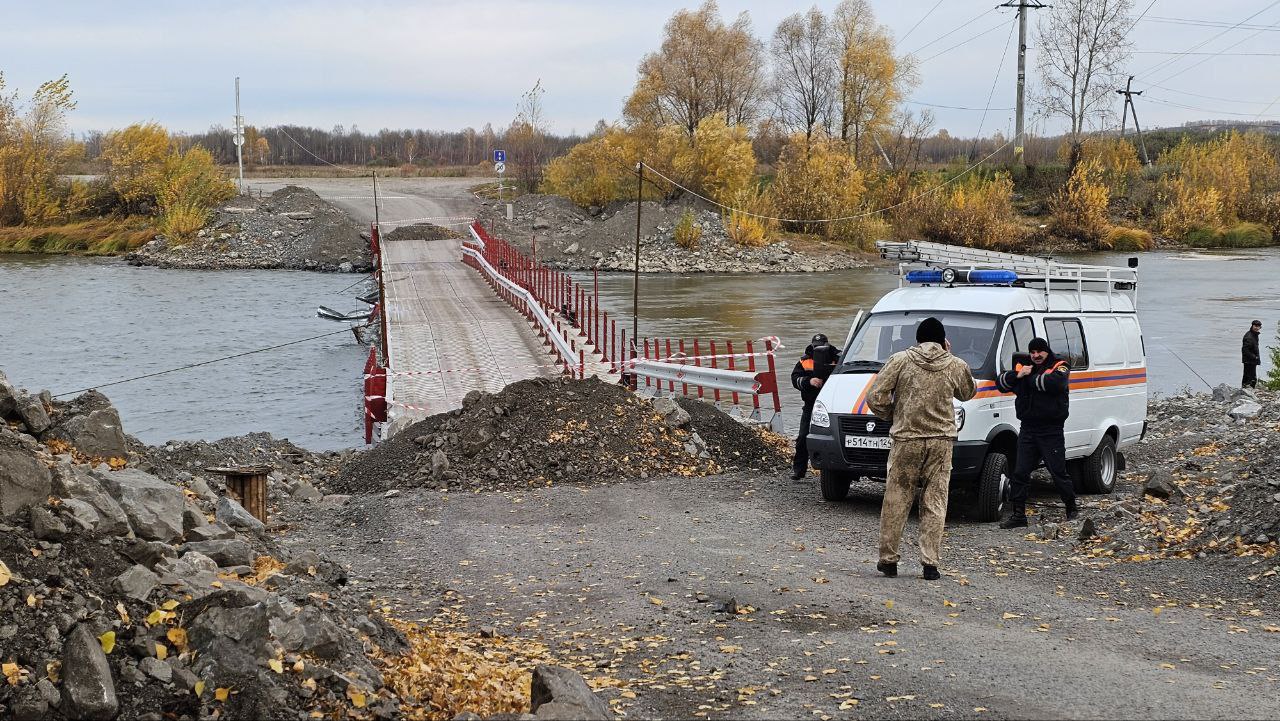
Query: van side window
pixel 1066 338
pixel 1016 338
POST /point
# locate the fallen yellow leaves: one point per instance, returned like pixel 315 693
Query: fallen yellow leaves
pixel 108 641
pixel 896 699
pixel 12 673
pixel 199 689
pixel 5 575
pixel 264 567
pixel 177 637
pixel 221 694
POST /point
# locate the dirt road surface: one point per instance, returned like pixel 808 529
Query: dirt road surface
pixel 400 200
pixel 747 597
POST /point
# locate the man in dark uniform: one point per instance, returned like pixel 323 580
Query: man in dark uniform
pixel 1251 355
pixel 812 370
pixel 1042 389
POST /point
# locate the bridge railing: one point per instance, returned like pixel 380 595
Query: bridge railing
pixel 699 367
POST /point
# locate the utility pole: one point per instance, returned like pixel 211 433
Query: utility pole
pixel 238 137
pixel 1128 94
pixel 1022 5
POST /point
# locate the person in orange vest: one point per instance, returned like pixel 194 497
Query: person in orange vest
pixel 1042 403
pixel 811 371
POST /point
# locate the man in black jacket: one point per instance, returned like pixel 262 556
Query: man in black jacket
pixel 1042 405
pixel 811 371
pixel 1251 356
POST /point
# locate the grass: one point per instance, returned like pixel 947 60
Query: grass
pixel 98 236
pixel 1242 235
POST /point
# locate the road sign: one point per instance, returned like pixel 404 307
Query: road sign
pixel 238 139
pixel 499 167
pixel 499 156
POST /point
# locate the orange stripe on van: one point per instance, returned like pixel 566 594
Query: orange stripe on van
pixel 860 405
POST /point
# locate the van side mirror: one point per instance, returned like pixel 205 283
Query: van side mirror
pixel 1133 262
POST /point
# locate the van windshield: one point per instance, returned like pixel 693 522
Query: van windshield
pixel 972 337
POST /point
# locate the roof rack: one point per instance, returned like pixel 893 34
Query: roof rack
pixel 1032 271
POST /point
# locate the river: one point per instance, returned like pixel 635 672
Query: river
pixel 69 323
pixel 1193 305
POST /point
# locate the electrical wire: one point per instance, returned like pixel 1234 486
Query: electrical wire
pixel 202 363
pixel 953 107
pixel 995 82
pixel 1211 23
pixel 1197 46
pixel 1210 97
pixel 1227 55
pixel 1203 110
pixel 954 30
pixel 988 31
pixel 926 17
pixel 1206 59
pixel 1144 14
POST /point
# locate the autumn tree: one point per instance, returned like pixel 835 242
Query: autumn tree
pixel 34 146
pixel 872 80
pixel 261 150
pixel 1083 47
pixel 703 67
pixel 135 158
pixel 527 138
pixel 804 69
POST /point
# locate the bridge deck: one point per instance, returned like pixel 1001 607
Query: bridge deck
pixel 442 316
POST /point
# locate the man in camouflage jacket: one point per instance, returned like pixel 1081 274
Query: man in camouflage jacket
pixel 913 392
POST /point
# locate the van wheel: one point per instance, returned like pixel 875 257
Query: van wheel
pixel 835 485
pixel 993 487
pixel 1098 470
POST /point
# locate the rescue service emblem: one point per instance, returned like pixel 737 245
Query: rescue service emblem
pixel 871 426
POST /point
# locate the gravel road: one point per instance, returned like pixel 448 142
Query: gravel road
pixel 745 596
pixel 433 200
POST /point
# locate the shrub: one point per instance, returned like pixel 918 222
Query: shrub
pixel 1116 159
pixel 1188 208
pixel 1080 208
pixel 190 188
pixel 1123 239
pixel 1218 183
pixel 818 179
pixel 1241 235
pixel 862 233
pixel 688 233
pixel 750 223
pixel 1272 381
pixel 976 211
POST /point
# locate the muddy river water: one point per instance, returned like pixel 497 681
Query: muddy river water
pixel 70 323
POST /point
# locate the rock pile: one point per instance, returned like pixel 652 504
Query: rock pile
pixel 543 431
pixel 573 239
pixel 1207 481
pixel 292 228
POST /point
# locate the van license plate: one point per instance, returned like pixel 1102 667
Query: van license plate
pixel 881 442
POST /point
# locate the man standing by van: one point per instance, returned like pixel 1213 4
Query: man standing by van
pixel 913 392
pixel 1042 404
pixel 811 371
pixel 1251 355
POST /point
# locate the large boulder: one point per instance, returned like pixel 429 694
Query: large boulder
pixel 88 691
pixel 136 583
pixel 72 482
pixel 234 515
pixel 560 693
pixel 154 508
pixel 30 410
pixel 1245 409
pixel 311 633
pixel 225 553
pixel 24 481
pixel 92 425
pixel 232 635
pixel 8 397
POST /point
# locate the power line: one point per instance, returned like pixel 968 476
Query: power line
pixel 1211 24
pixel 1197 46
pixel 203 363
pixel 999 69
pixel 954 30
pixel 926 17
pixel 1178 52
pixel 1204 60
pixel 953 107
pixel 1205 110
pixel 1209 97
pixel 988 31
pixel 1143 15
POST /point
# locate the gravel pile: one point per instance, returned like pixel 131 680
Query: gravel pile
pixel 291 228
pixel 1206 480
pixel 544 431
pixel 573 239
pixel 123 594
pixel 422 231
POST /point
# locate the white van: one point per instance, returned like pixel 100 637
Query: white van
pixel 992 305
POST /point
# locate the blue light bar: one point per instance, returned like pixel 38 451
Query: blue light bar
pixel 951 275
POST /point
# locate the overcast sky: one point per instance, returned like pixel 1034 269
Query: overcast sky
pixel 441 64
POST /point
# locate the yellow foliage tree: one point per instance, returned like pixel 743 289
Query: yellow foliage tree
pixel 1080 208
pixel 135 160
pixel 817 183
pixel 719 163
pixel 1117 160
pixel 751 220
pixel 33 149
pixel 1218 183
pixel 190 187
pixel 976 211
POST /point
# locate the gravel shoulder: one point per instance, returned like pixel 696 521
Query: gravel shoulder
pixel 743 595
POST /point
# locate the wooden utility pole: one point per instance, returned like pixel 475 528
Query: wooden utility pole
pixel 1128 94
pixel 1018 139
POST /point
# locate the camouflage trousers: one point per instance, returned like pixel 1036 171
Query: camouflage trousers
pixel 924 463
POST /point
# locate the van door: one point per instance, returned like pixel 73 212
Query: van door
pixel 1066 337
pixel 1134 412
pixel 996 408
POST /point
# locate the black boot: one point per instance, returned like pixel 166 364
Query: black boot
pixel 888 569
pixel 797 475
pixel 1017 520
pixel 931 573
pixel 1073 512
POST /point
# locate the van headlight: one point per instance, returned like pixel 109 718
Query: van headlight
pixel 820 417
pixel 960 414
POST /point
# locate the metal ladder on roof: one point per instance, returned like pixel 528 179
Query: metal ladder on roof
pixel 1052 275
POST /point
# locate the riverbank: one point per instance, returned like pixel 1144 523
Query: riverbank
pixel 292 228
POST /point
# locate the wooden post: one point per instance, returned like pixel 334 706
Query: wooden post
pixel 247 485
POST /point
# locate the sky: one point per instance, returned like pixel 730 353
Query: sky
pixel 445 65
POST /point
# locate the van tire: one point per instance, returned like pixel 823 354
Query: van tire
pixel 1099 469
pixel 993 487
pixel 835 485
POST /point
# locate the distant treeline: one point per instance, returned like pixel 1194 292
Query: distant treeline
pixel 298 145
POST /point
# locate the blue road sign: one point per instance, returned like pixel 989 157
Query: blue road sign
pixel 499 156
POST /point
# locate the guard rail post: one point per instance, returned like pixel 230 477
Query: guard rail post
pixel 697 360
pixel 728 345
pixel 751 368
pixel 715 391
pixel 777 402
